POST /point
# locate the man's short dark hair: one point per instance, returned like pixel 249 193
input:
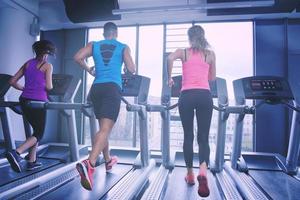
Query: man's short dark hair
pixel 109 28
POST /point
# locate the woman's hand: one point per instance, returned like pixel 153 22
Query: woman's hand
pixel 92 71
pixel 170 82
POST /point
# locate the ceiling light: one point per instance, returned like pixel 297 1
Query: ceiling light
pixel 204 6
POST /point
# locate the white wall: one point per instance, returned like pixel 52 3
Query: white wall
pixel 15 49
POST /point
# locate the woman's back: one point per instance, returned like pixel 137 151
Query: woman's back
pixel 195 71
pixel 35 81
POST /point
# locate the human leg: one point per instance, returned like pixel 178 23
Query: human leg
pixel 106 99
pixel 32 163
pixel 186 112
pixel 101 140
pixel 109 160
pixel 203 115
pixel 108 96
pixel 37 119
pixel 14 157
pixel 86 168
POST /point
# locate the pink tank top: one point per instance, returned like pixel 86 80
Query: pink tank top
pixel 195 72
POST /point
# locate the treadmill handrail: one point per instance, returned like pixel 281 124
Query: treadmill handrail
pixel 131 107
pixel 141 110
pixel 159 108
pixel 13 105
pixel 59 105
pixel 295 108
pixel 9 103
pixel 221 109
pixel 238 109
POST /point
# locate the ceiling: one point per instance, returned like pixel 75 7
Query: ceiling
pixel 53 15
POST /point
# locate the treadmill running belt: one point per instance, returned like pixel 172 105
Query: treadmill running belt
pixel 9 176
pixel 277 184
pixel 178 189
pixel 102 184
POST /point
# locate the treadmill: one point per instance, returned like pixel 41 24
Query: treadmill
pixel 271 172
pixel 124 182
pixel 9 143
pixel 65 87
pixel 166 158
pixel 55 155
pixel 220 183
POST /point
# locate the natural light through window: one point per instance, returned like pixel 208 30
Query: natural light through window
pixel 232 43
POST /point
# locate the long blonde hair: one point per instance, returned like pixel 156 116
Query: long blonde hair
pixel 197 38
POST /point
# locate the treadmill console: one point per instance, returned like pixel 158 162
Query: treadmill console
pixel 136 86
pixel 269 88
pixel 65 85
pixel 266 85
pixel 4 85
pixel 61 82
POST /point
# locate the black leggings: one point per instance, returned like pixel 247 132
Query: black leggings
pixel 36 118
pixel 201 101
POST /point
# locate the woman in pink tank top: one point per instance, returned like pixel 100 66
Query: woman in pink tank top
pixel 38 80
pixel 198 67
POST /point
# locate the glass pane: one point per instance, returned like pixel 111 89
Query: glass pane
pixel 150 64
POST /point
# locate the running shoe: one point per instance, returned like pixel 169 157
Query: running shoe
pixel 203 189
pixel 190 179
pixel 111 163
pixel 86 171
pixel 15 160
pixel 33 165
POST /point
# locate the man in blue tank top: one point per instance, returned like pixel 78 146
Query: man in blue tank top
pixel 109 55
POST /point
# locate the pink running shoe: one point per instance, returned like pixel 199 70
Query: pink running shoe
pixel 86 171
pixel 111 163
pixel 203 189
pixel 190 179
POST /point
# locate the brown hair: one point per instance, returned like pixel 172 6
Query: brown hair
pixel 197 38
pixel 109 28
pixel 43 47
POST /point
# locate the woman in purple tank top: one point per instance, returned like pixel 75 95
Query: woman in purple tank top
pixel 198 67
pixel 38 80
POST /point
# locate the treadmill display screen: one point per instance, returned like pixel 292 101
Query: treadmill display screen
pixel 266 85
pixel 61 83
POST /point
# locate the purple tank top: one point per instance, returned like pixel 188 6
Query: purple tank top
pixel 35 82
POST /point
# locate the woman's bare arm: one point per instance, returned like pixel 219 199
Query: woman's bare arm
pixel 178 54
pixel 14 80
pixel 49 71
pixel 212 63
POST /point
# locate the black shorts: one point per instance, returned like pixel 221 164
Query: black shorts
pixel 106 99
pixel 35 116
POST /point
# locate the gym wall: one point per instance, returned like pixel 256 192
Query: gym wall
pixel 68 42
pixel 277 52
pixel 16 44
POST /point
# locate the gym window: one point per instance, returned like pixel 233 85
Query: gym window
pixel 233 45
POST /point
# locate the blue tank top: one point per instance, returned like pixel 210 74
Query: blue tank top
pixel 108 58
